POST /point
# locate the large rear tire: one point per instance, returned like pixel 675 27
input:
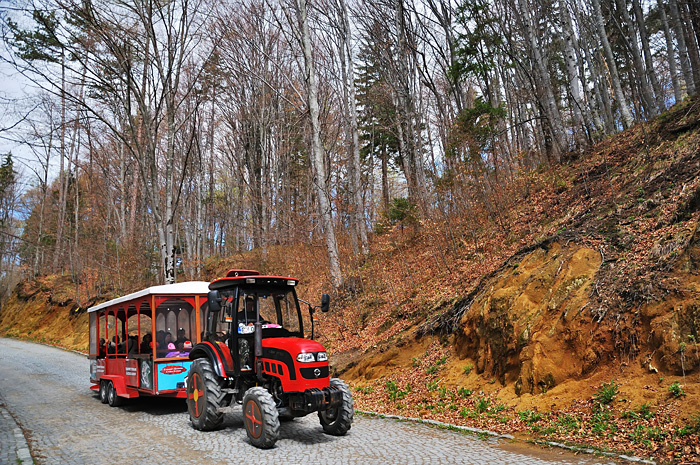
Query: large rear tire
pixel 103 391
pixel 261 418
pixel 204 396
pixel 338 420
pixel 112 398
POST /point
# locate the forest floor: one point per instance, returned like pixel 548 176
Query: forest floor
pixel 565 309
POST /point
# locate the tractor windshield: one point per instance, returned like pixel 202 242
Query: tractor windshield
pixel 278 308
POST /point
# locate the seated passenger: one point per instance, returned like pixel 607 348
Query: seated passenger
pixel 146 347
pixel 112 348
pixel 133 346
pixel 172 351
pixel 247 315
pixel 164 344
pixel 184 351
pixel 181 338
pixel 102 350
pixel 167 339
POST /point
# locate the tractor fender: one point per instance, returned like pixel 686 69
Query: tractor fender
pixel 119 383
pixel 217 353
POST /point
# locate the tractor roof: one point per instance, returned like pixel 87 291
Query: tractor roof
pixel 234 272
pixel 251 277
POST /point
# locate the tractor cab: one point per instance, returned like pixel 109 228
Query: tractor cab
pixel 241 305
pixel 254 352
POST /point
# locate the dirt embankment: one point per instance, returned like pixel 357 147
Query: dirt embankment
pixel 44 310
pixel 534 325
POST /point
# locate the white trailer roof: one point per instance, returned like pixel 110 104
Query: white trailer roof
pixel 185 288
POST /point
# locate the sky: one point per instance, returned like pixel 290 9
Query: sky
pixel 16 88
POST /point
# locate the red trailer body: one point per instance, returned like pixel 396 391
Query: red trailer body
pixel 140 343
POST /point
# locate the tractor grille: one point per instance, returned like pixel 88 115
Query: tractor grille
pixel 314 373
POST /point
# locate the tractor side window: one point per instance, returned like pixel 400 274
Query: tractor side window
pixel 287 311
pixel 268 315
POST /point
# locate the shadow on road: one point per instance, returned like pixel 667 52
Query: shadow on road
pixel 151 405
pixel 306 430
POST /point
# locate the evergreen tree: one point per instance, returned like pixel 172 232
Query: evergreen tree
pixel 377 111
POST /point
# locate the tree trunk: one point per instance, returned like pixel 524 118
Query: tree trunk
pixel 646 90
pixel 317 156
pixel 577 101
pixel 586 60
pixel 62 181
pixel 412 159
pixel 358 211
pixel 544 85
pixel 673 71
pixel 693 52
pixel 627 119
pixel 682 49
pixel 648 59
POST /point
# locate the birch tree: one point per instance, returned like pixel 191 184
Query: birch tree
pixel 317 157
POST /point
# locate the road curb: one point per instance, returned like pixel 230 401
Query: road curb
pixel 19 443
pixel 440 424
pixel 494 434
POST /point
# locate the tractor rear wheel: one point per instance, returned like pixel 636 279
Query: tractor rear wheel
pixel 204 396
pixel 112 398
pixel 103 391
pixel 338 420
pixel 260 417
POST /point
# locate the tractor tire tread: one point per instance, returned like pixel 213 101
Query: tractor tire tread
pixel 346 412
pixel 270 416
pixel 214 395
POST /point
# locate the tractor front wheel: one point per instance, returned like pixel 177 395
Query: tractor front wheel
pixel 260 417
pixel 338 420
pixel 204 396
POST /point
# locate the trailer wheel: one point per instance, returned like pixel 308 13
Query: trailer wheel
pixel 204 396
pixel 338 420
pixel 112 398
pixel 260 417
pixel 104 386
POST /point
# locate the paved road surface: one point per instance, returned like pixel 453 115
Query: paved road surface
pixel 48 393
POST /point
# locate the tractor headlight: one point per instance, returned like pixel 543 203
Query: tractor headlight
pixel 306 358
pixel 321 357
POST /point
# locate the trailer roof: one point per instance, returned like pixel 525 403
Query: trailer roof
pixel 185 288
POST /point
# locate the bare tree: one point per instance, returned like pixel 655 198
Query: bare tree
pixel 317 157
pixel 627 119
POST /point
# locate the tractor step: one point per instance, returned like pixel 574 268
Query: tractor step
pixel 230 390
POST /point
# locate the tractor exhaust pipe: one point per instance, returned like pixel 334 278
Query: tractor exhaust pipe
pixel 258 339
pixel 258 350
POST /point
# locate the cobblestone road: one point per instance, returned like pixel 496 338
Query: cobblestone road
pixel 48 393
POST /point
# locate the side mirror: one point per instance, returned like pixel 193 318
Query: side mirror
pixel 325 302
pixel 214 301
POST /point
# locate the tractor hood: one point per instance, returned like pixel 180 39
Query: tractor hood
pixel 293 345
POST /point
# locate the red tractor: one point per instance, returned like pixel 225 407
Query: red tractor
pixel 254 353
